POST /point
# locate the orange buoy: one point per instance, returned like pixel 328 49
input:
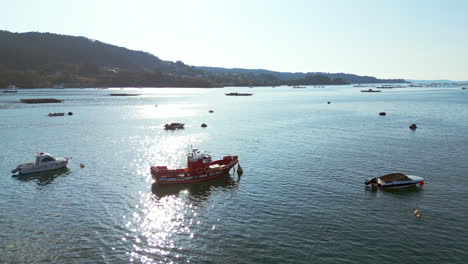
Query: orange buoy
pixel 82 165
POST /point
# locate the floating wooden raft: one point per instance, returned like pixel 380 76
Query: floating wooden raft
pixel 40 101
pixel 123 94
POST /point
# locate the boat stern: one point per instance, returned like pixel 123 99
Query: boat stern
pixel 158 171
pixel 420 180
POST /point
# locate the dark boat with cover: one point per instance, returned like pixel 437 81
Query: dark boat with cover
pixel 238 94
pixel 174 126
pixel 395 180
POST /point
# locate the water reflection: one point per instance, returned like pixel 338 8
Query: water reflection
pixel 43 178
pixel 166 223
pixel 196 192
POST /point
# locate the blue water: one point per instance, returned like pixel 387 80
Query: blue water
pixel 301 198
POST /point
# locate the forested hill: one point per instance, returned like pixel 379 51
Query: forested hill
pixel 35 60
pixel 33 51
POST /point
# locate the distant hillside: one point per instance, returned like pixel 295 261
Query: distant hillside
pixel 34 60
pixel 33 50
pixel 287 76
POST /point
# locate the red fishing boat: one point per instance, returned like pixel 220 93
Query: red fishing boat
pixel 200 167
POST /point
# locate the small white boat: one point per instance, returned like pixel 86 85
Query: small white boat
pixel 396 180
pixel 11 89
pixel 43 162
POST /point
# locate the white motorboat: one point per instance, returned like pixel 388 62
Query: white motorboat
pixel 396 180
pixel 11 89
pixel 43 162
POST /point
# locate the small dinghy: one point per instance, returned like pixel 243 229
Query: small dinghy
pixel 43 162
pixel 396 180
pixel 56 114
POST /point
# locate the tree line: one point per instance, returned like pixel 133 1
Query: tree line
pixel 40 60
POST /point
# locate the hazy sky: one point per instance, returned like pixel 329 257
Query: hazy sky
pixel 411 39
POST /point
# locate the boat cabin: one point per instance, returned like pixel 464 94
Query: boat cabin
pixel 43 158
pixel 196 159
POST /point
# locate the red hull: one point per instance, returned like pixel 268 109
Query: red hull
pixel 198 172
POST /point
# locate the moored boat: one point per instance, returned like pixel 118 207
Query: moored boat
pixel 395 180
pixel 56 114
pixel 123 94
pixel 238 94
pixel 11 89
pixel 370 91
pixel 173 126
pixel 200 167
pixel 43 162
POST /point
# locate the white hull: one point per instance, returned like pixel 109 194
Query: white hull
pixel 29 168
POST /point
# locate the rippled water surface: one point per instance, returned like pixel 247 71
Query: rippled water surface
pixel 301 198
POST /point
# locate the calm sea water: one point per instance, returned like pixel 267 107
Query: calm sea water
pixel 301 198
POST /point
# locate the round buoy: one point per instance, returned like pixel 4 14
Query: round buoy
pixel 382 113
pixel 203 125
pixel 329 102
pixel 240 171
pixel 417 213
pixel 82 165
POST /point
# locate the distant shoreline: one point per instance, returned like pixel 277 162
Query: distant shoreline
pixel 71 61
